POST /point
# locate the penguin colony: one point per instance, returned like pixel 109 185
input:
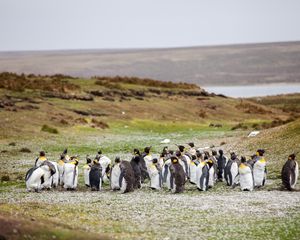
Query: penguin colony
pixel 171 170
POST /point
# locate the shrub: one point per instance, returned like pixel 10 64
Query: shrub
pixel 46 128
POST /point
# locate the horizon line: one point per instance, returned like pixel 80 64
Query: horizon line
pixel 149 48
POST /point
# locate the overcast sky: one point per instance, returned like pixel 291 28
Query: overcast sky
pixel 86 24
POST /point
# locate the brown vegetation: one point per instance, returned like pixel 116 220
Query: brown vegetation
pixel 114 81
pixel 55 83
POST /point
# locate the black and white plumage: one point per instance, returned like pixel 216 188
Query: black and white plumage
pixel 193 169
pixel 155 174
pixel 202 176
pixel 290 173
pixel 231 169
pixel 36 176
pixel 95 176
pixel 115 173
pixel 259 171
pixel 178 176
pixel 70 176
pixel 166 173
pixel 86 171
pixel 245 176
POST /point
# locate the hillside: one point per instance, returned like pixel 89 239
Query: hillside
pixel 217 65
pixel 29 102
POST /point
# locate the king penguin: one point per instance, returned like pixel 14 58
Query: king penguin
pixel 193 169
pixel 166 174
pixel 245 175
pixel 105 164
pixel 126 179
pixel 290 172
pixel 221 162
pixel 259 169
pixel 202 174
pixel 231 169
pixel 178 178
pixel 135 164
pixel 71 174
pixel 86 171
pixel 155 175
pixel 95 176
pixel 36 176
pixel 115 173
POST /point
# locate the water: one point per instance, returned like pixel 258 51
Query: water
pixel 254 90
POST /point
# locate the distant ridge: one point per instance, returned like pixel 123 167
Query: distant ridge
pixel 208 65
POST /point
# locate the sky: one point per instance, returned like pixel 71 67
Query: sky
pixel 99 24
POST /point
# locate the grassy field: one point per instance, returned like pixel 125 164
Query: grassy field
pixel 220 213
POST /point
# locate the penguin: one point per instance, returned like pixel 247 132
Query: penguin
pixel 60 165
pixel 126 179
pixel 231 169
pixel 146 160
pixel 202 175
pixel 35 176
pixel 166 173
pixel 86 171
pixel 105 164
pixel 115 173
pixel 259 169
pixel 95 176
pixel 155 175
pixel 40 159
pixel 290 172
pixel 184 160
pixel 245 176
pixel 135 164
pixel 70 177
pixel 211 172
pixel 55 177
pixel 177 179
pixel 192 150
pixel 221 163
pixel 47 181
pixel 193 169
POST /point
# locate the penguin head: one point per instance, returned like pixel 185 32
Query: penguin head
pixel 181 148
pixel 194 157
pixel 174 159
pixel 96 161
pixel 232 155
pixel 147 149
pixel 198 154
pixel 117 160
pixel 191 144
pixel 260 152
pixel 292 156
pixel 42 154
pixel 210 163
pixel 171 152
pixel 214 152
pixel 206 153
pixel 100 152
pixel 136 151
pixel 243 159
pixel 65 151
pixel 165 150
pixel 221 152
pixel 154 160
pixel 178 153
pixel 88 160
